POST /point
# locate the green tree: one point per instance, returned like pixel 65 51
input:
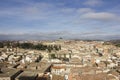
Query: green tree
pixel 1 45
pixel 53 56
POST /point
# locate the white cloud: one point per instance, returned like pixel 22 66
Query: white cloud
pixel 37 11
pixel 84 10
pixel 102 16
pixel 93 2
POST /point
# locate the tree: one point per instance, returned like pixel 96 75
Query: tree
pixel 26 45
pixel 53 56
pixel 60 38
pixel 1 45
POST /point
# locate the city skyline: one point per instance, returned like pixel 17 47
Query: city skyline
pixel 51 19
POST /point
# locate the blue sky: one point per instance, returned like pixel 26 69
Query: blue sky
pixel 51 19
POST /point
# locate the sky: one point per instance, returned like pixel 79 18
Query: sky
pixel 51 19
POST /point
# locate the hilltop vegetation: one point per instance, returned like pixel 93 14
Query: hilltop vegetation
pixel 115 42
pixel 38 46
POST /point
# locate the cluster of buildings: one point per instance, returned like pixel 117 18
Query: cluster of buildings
pixel 77 60
pixel 22 65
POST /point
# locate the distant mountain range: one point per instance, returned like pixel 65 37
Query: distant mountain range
pixel 57 36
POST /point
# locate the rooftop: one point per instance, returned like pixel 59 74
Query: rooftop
pixel 8 72
pixel 27 75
